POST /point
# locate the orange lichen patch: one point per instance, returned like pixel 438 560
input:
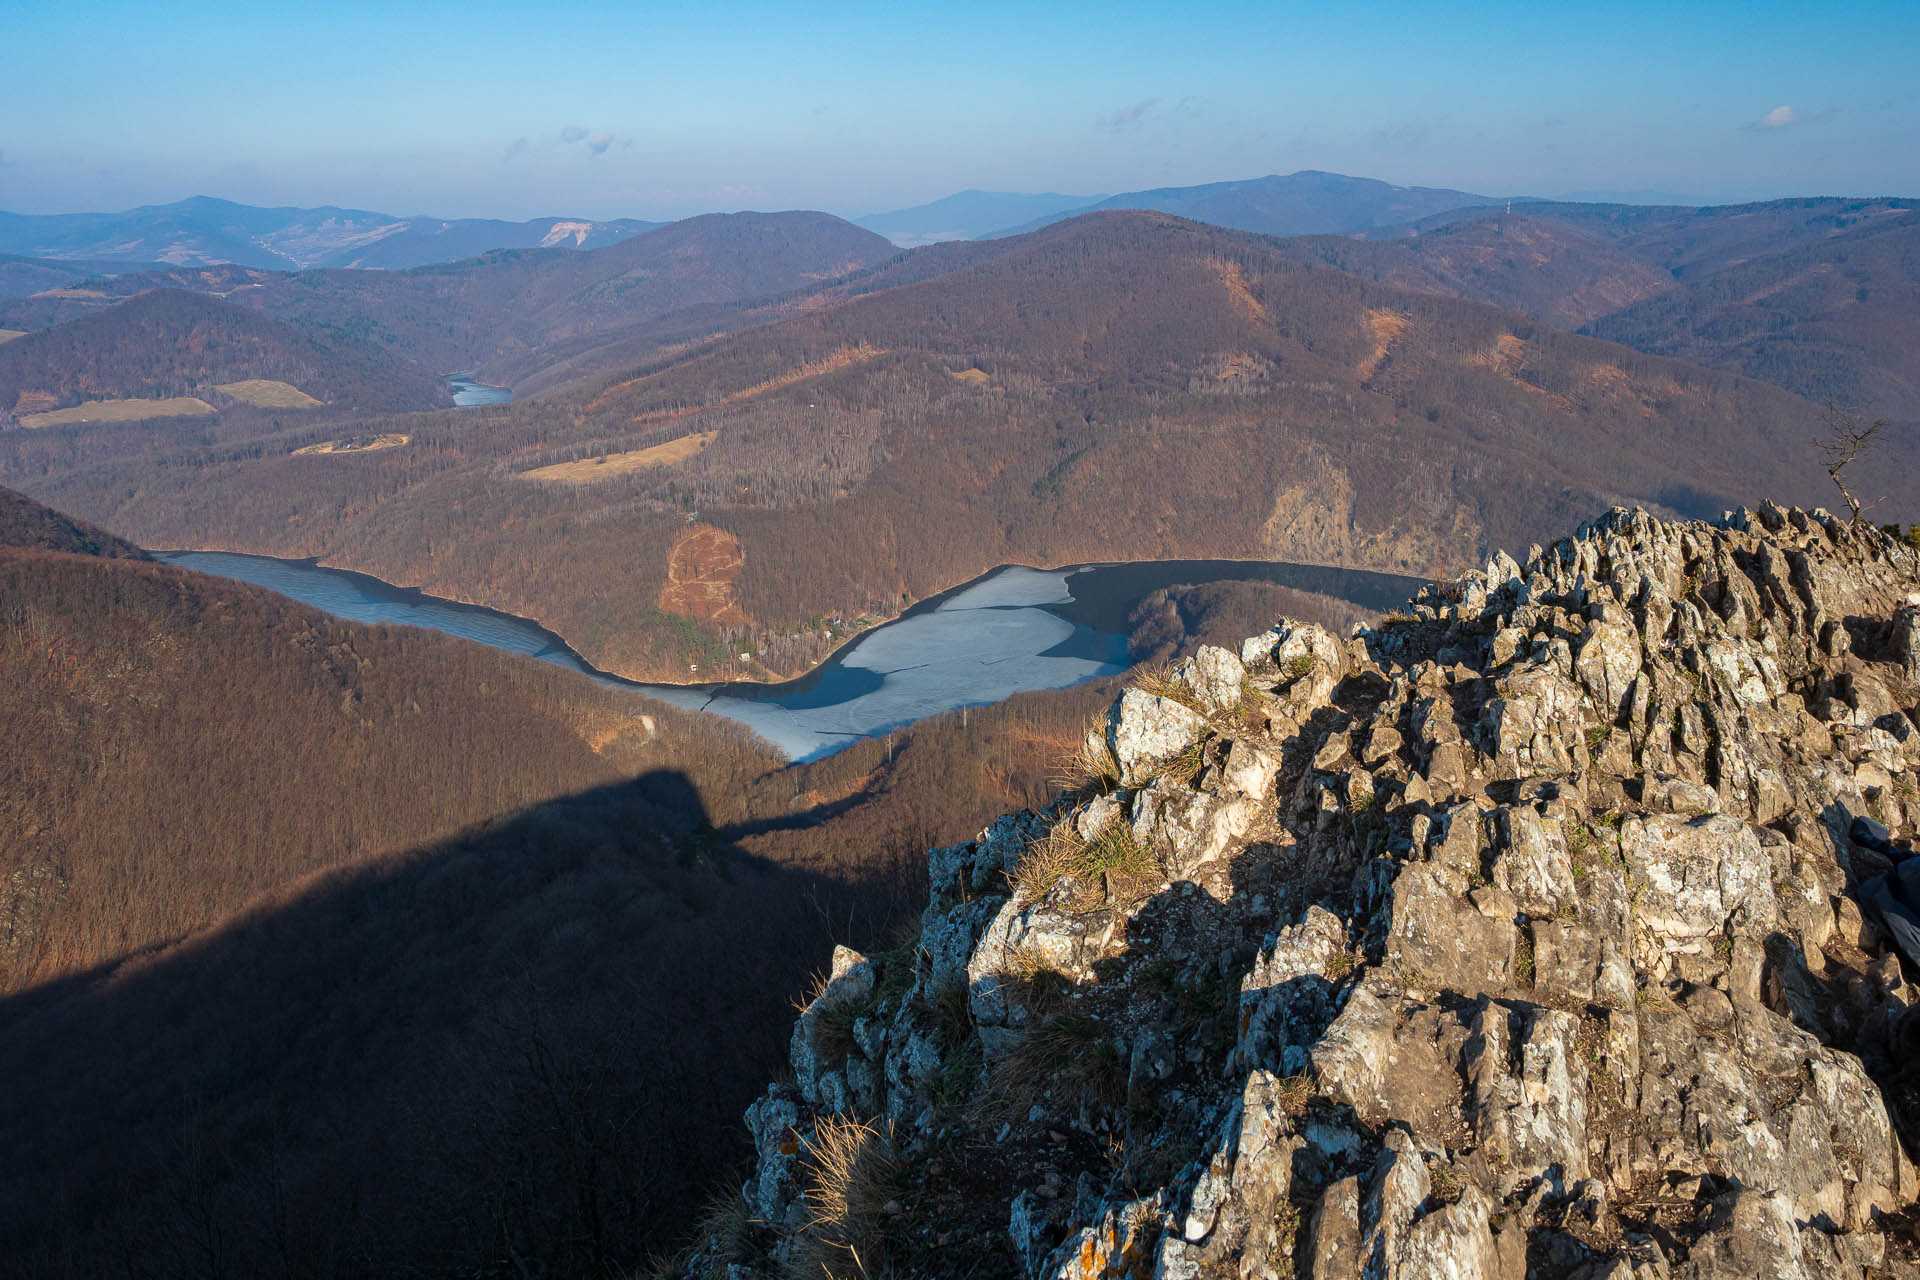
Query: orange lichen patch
pixel 1386 327
pixel 972 377
pixel 1234 281
pixel 702 567
pixel 119 411
pixel 360 445
pixel 608 465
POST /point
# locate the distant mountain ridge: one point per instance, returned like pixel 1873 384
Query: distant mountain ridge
pixel 206 230
pixel 509 313
pixel 968 215
pixel 1310 202
pixel 1817 295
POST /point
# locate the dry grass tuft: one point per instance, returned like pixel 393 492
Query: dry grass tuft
pixel 1113 863
pixel 1090 766
pixel 1069 1056
pixel 1184 766
pixel 722 1239
pixel 852 1173
pixel 1296 1092
pixel 1038 984
pixel 1159 681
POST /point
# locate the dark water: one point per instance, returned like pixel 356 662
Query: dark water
pixel 467 393
pixel 1011 630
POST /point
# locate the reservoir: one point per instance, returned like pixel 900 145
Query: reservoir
pixel 1011 630
pixel 467 393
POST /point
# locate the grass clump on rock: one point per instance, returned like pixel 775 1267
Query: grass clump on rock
pixel 1114 863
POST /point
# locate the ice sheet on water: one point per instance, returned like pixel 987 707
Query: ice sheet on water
pixel 1013 585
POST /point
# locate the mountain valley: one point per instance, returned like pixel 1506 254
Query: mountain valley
pixel 334 948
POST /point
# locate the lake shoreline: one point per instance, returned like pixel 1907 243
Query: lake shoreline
pixel 1012 629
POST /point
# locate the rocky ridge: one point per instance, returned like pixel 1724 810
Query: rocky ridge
pixel 1547 929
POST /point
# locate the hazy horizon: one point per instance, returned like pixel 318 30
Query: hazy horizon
pixel 857 109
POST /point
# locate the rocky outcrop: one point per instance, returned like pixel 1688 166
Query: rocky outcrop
pixel 1543 930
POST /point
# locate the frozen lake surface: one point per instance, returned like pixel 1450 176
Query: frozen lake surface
pixel 1009 631
pixel 467 393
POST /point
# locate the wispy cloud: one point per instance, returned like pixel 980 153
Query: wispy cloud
pixel 597 142
pixel 1784 117
pixel 517 148
pixel 1126 117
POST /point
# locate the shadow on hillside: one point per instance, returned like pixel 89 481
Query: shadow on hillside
pixel 523 1050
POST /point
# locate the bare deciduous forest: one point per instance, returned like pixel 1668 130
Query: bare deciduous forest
pixel 883 446
pixel 307 923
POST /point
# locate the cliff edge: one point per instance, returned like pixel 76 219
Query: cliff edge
pixel 1554 928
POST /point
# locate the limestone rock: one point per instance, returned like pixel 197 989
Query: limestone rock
pixel 1145 731
pixel 1544 935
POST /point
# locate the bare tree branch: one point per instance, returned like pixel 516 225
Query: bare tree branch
pixel 1842 444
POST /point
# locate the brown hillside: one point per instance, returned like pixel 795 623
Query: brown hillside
pixel 171 342
pixel 1816 296
pixel 183 744
pixel 303 922
pixel 1558 273
pixel 1133 386
pixel 503 309
pixel 27 526
pixel 1833 320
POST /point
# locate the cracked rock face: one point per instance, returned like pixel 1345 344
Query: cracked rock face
pixel 1551 929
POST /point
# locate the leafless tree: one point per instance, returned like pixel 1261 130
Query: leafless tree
pixel 1843 442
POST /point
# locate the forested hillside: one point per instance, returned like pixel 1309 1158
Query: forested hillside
pixel 302 922
pixel 1816 296
pixel 481 312
pixel 174 343
pixel 1295 204
pixel 25 525
pixel 1833 320
pixel 1119 386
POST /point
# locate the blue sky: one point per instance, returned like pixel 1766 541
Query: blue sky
pixel 663 110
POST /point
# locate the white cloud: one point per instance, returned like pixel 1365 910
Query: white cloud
pixel 573 133
pixel 1778 118
pixel 1126 117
